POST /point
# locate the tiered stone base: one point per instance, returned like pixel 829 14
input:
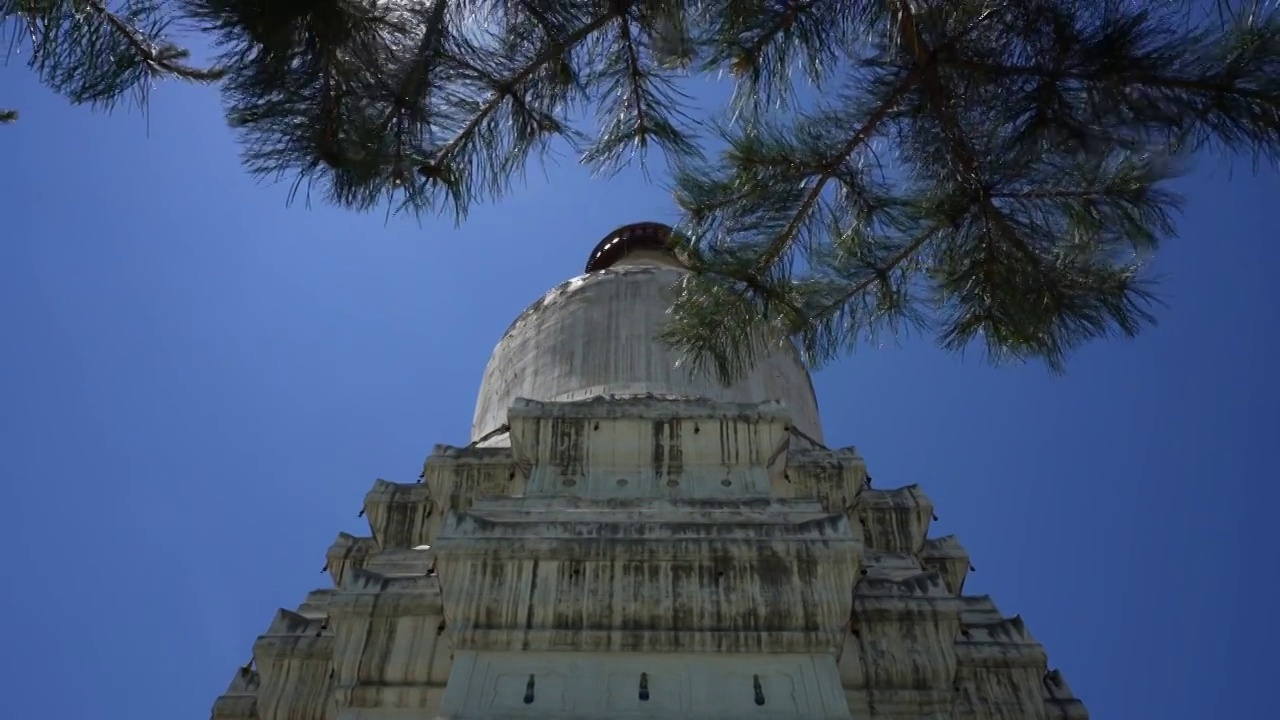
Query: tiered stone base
pixel 646 558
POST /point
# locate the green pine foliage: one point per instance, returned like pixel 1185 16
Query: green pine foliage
pixel 992 173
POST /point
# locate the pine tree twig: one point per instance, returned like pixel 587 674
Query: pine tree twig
pixel 163 62
pixel 923 67
pixel 925 59
pixel 92 54
pixel 1167 82
pixel 785 20
pixel 879 273
pixel 430 43
pixel 507 87
pixel 635 96
pixel 1084 194
pixel 779 245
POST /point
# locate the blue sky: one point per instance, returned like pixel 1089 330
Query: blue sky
pixel 198 385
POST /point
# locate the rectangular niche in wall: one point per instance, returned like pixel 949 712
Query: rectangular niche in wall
pixel 646 690
pixel 528 692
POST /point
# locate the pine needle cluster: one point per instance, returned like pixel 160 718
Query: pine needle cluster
pixel 96 52
pixel 992 172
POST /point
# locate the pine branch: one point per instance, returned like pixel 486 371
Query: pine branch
pixel 474 163
pixel 762 43
pixel 987 313
pixel 638 105
pixel 1033 140
pixel 783 241
pixel 94 55
pixel 504 89
pixel 994 171
pixel 1011 325
pixel 324 90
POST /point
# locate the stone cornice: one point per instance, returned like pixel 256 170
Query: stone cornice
pixel 370 594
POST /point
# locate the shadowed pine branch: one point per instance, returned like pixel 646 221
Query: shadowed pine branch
pixel 94 53
pixel 1022 194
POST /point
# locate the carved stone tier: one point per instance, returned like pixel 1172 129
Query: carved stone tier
pixel 949 559
pixel 648 541
pixel 649 448
pixel 294 658
pixel 388 649
pixel 240 701
pixel 654 575
pixel 349 553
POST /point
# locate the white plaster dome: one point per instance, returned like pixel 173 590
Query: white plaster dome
pixel 597 335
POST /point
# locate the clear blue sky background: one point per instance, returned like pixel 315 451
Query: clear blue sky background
pixel 198 385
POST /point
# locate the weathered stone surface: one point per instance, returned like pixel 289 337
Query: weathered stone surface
pixel 655 575
pixel 398 514
pixel 458 476
pixel 348 552
pixel 596 335
pixel 649 447
pixel 646 685
pixel 388 645
pixel 316 605
pixel 949 559
pixel 294 658
pixel 1060 702
pixel 617 578
pixel 835 478
pixel 240 701
pixel 895 520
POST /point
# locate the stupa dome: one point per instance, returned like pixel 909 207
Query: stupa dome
pixel 597 335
